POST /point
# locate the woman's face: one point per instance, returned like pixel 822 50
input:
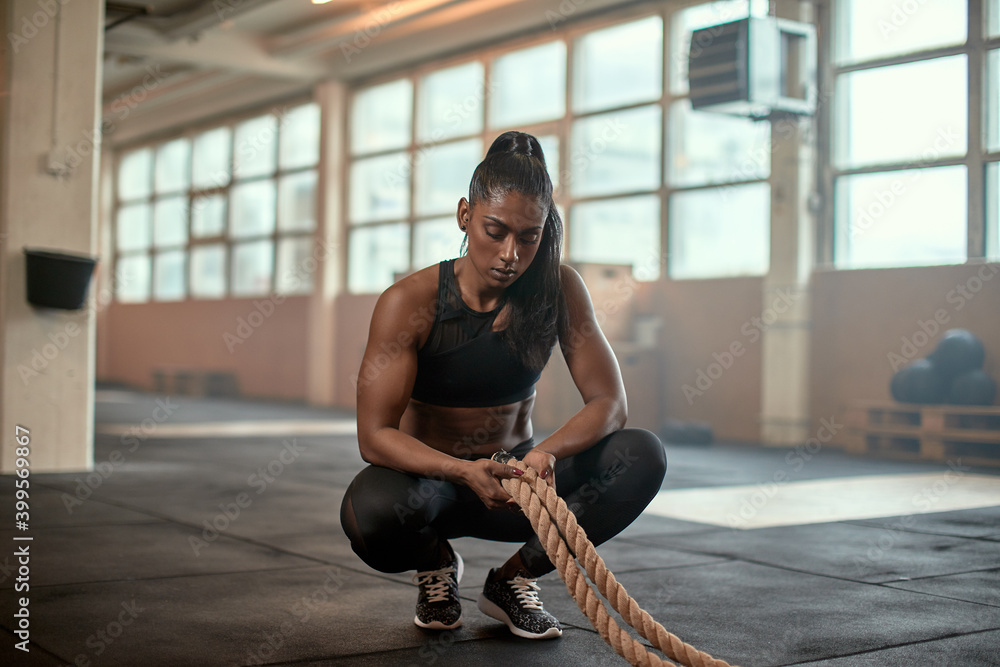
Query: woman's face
pixel 504 235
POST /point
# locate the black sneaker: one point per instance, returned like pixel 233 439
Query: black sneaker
pixel 438 606
pixel 515 602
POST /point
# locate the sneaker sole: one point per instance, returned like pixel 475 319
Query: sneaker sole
pixel 493 611
pixel 438 625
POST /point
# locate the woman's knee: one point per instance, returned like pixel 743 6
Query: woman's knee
pixel 365 515
pixel 640 451
pixel 385 514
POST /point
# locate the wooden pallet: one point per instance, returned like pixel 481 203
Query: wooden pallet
pixel 934 432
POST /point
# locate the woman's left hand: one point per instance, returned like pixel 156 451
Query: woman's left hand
pixel 541 462
pixel 544 464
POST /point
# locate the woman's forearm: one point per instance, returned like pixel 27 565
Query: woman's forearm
pixel 595 420
pixel 391 448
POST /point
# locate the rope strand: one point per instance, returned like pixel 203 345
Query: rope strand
pixel 569 549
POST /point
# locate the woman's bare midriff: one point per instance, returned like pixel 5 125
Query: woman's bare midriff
pixel 469 433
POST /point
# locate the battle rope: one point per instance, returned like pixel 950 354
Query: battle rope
pixel 566 544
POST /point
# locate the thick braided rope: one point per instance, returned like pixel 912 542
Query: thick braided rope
pixel 542 506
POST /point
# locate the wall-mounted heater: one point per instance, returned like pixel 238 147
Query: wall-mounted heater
pixel 754 67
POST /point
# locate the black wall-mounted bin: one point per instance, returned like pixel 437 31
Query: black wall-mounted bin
pixel 58 279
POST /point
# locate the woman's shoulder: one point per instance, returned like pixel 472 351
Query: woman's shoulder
pixel 572 283
pixel 414 293
pixel 567 272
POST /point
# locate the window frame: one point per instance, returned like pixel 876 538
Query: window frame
pixel 194 193
pixel 976 159
pixel 560 127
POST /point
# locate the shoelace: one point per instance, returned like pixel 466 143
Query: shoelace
pixel 527 592
pixel 437 591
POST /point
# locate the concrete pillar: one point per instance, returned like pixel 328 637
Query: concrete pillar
pixel 785 345
pixel 330 235
pixel 49 115
pixel 104 281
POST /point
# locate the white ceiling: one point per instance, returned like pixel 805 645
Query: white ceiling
pixel 184 61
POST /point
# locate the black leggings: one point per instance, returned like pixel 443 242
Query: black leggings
pixel 396 521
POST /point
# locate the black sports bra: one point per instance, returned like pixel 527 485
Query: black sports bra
pixel 464 363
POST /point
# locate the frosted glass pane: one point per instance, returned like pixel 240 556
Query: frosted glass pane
pixel 451 102
pixel 720 232
pixel 173 166
pixel 550 148
pixel 297 202
pixel 253 266
pixel 710 148
pixel 170 222
pixel 208 216
pixel 912 217
pixel 213 151
pixel 993 18
pixel 992 117
pixel 133 228
pixel 168 275
pixel 135 174
pixel 868 29
pixel 686 21
pixel 380 188
pixel 132 278
pixel 436 240
pixel 906 113
pixel 251 209
pixel 208 271
pixel 616 152
pixel 297 265
pixel 618 231
pixel 299 146
pixel 443 175
pixel 619 65
pixel 381 117
pixel 993 211
pixel 528 85
pixel 377 254
pixel 255 147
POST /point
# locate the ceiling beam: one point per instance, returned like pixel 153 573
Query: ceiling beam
pixel 331 34
pixel 223 50
pixel 187 21
pixel 161 88
pixel 217 98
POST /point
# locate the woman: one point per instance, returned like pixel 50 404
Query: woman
pixel 447 380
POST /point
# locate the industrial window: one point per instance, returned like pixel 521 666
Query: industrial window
pixel 228 211
pixel 874 29
pixel 546 87
pixel 415 140
pixel 908 80
pixel 619 65
pixel 717 168
pixel 614 174
pixel 720 231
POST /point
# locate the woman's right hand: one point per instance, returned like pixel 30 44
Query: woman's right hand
pixel 483 476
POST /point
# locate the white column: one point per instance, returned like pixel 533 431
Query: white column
pixel 52 61
pixel 330 238
pixel 785 344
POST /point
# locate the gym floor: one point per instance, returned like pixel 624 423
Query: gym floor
pixel 209 535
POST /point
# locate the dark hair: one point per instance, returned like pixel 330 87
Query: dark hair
pixel 536 312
